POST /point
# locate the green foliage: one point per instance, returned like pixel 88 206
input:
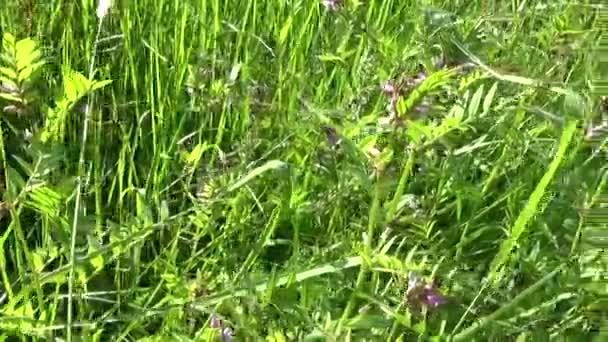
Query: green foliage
pixel 75 88
pixel 280 171
pixel 22 61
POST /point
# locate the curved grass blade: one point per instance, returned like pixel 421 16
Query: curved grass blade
pixel 511 78
pixel 269 166
pixel 532 207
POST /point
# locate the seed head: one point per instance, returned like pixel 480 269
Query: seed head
pixel 102 8
pixel 331 5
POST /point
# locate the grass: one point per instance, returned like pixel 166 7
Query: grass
pixel 282 170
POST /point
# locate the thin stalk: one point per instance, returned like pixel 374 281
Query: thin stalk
pixel 81 163
pixel 5 279
pixel 468 333
pixel 364 270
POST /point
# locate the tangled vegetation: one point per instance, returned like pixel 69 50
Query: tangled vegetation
pixel 300 170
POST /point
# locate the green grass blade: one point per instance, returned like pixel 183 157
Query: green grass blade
pixel 467 334
pixel 258 171
pixel 531 208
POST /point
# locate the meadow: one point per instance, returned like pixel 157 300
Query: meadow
pixel 301 170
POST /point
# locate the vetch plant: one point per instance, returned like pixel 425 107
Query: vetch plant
pixel 21 61
pixel 421 292
pixel 206 184
pixel 21 64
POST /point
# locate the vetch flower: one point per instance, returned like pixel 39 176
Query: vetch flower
pixel 227 335
pixel 103 7
pixel 332 135
pixel 389 88
pixel 215 323
pixel 432 296
pixel 420 292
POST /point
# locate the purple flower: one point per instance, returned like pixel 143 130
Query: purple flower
pixel 389 88
pixel 422 292
pixel 332 135
pixel 227 335
pixel 215 323
pixel 432 296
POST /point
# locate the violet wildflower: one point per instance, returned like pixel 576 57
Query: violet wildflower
pixel 215 323
pixel 389 88
pixel 332 135
pixel 227 335
pixel 432 296
pixel 420 292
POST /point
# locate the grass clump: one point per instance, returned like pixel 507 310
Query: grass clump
pixel 308 170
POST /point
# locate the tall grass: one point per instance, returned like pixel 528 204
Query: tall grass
pixel 271 170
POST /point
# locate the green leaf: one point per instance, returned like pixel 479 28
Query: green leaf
pixel 71 92
pixel 531 208
pixel 26 73
pixel 469 333
pixel 9 73
pixel 269 166
pixel 234 72
pixel 368 322
pixel 99 84
pixel 285 31
pixel 75 86
pixel 11 97
pixel 193 157
pixel 315 336
pixel 487 102
pixel 475 102
pixel 8 41
pixel 37 260
pixel 418 131
pixel 431 83
pixel 26 53
pixel 331 58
